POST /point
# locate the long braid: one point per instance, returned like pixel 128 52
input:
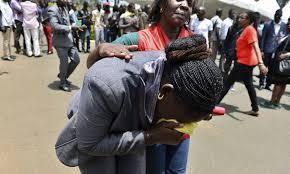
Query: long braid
pixel 196 78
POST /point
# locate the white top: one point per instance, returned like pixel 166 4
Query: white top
pixel 201 27
pixel 97 18
pixel 277 27
pixel 29 15
pixel 227 23
pixel 7 14
pixel 217 23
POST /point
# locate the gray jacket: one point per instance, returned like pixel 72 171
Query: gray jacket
pixel 270 40
pixel 60 23
pixel 116 103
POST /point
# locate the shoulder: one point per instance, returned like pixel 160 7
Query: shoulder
pixel 116 73
pixel 249 29
pixel 128 39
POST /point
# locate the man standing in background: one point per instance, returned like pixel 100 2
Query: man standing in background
pixel 62 40
pixel 202 25
pixel 6 24
pixel 18 18
pixel 31 27
pixel 272 33
pixel 86 17
pixel 226 24
pixel 215 37
pixel 98 24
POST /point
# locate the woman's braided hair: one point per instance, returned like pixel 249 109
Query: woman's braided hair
pixel 195 77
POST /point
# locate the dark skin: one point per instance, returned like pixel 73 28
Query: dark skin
pixel 171 107
pixel 174 14
pixel 201 16
pixel 277 17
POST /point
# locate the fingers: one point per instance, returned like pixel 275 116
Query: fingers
pixel 132 47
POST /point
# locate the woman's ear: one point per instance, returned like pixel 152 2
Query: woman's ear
pixel 165 90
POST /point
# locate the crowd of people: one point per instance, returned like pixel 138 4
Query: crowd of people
pixel 187 84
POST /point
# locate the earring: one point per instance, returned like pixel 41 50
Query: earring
pixel 160 97
pixel 161 10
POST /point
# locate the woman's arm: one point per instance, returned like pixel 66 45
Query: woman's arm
pixel 120 48
pixel 261 64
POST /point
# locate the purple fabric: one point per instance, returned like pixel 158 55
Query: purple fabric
pixel 17 10
pixel 30 17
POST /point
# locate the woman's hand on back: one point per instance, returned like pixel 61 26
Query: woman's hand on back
pixel 111 50
pixel 163 133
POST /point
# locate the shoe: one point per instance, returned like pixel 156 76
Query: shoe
pixel 13 57
pixel 66 81
pixel 232 89
pixel 49 52
pixel 8 58
pixel 64 87
pixel 278 105
pixel 268 104
pixel 18 51
pixel 253 113
pixel 268 88
pixel 38 56
pixel 28 55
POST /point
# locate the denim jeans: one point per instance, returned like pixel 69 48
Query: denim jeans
pixel 167 159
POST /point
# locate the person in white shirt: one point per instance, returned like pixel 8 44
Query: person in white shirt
pixel 6 24
pixel 215 37
pixel 226 24
pixel 97 19
pixel 30 26
pixel 202 25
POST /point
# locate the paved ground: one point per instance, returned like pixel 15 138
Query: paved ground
pixel 32 113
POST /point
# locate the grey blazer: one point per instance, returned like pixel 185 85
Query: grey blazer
pixel 115 104
pixel 270 40
pixel 60 23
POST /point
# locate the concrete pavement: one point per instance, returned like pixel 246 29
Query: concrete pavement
pixel 32 113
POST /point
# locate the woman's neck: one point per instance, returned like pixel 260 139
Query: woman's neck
pixel 171 32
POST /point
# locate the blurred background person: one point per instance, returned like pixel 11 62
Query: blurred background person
pixel 98 24
pixel 31 27
pixel 18 18
pixel 46 25
pixel 215 37
pixel 86 17
pixel 226 24
pixel 113 24
pixel 248 57
pixel 129 20
pixel 202 25
pixel 62 41
pixel 73 14
pixel 105 19
pixel 6 24
pixel 279 81
pixel 272 33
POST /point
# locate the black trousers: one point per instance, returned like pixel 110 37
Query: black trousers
pixel 268 61
pixel 76 39
pixel 245 74
pixel 18 32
